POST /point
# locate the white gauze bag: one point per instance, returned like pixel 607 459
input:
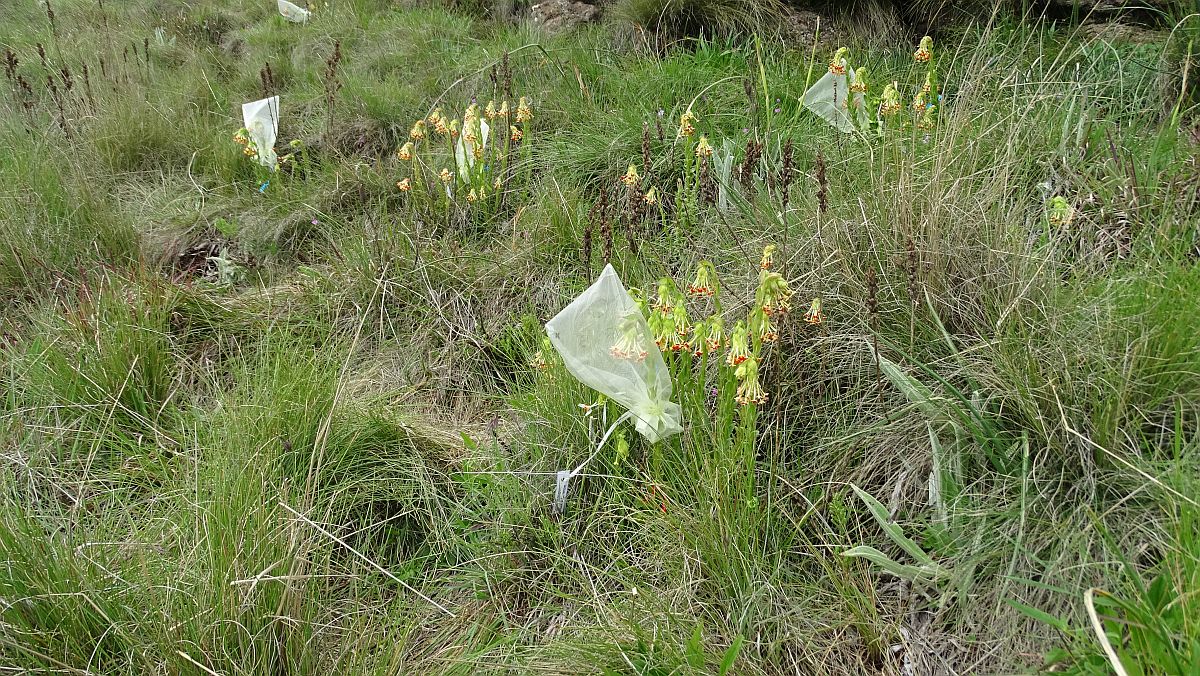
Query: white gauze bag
pixel 827 98
pixel 292 12
pixel 605 343
pixel 261 119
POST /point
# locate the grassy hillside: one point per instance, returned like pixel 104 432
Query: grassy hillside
pixel 305 420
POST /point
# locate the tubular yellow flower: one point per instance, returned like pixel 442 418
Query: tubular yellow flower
pixel 629 345
pixel 679 317
pixel 760 324
pixel 496 184
pixel 404 185
pixel 490 111
pixel 514 134
pixel 835 66
pixel 814 316
pixel 678 339
pixel 750 391
pixel 661 328
pixel 705 283
pixel 446 176
pixel 440 125
pixel 651 196
pixel 524 112
pixel 767 257
pixel 405 152
pixel 739 345
pixel 454 129
pixel 703 148
pixel 687 124
pixel 418 130
pixel 716 333
pixel 503 112
pixel 472 196
pixel 699 341
pixel 925 51
pixel 631 177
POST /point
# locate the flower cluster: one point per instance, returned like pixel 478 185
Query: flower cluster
pixel 859 86
pixel 768 257
pixel 631 179
pixel 749 389
pixel 631 344
pixel 687 124
pixel 242 138
pixel 925 102
pixel 838 65
pixel 524 111
pixel 924 53
pixel 1059 211
pixel 417 133
pixel 478 155
pixel 669 321
pixel 705 283
pixel 814 316
pixel 738 352
pixel 889 102
pixel 773 294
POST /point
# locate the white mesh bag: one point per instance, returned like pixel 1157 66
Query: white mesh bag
pixel 605 343
pixel 261 119
pixel 292 12
pixel 828 96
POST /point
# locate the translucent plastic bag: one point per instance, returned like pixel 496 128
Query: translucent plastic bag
pixel 605 343
pixel 261 119
pixel 292 12
pixel 829 96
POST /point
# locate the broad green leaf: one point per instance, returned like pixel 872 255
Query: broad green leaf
pixel 911 573
pixel 893 531
pixel 914 390
pixel 731 655
pixel 695 648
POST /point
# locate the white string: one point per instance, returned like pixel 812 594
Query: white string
pixel 562 478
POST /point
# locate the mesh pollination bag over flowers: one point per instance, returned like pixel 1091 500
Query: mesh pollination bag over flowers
pixel 606 344
pixel 261 119
pixel 829 97
pixel 291 12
